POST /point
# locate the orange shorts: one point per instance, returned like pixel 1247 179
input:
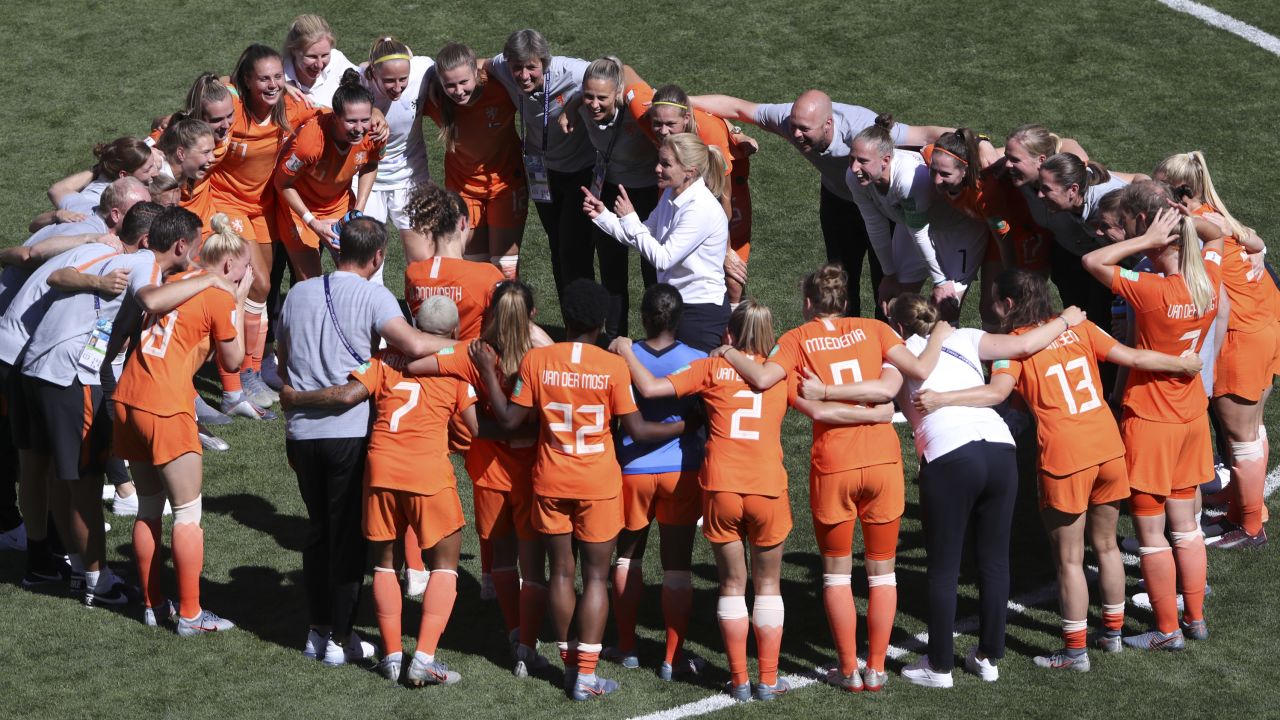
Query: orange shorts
pixel 498 513
pixel 1166 456
pixel 729 517
pixel 590 521
pixel 672 497
pixel 874 494
pixel 508 208
pixel 297 235
pixel 433 517
pixel 1096 485
pixel 257 225
pixel 143 437
pixel 1143 504
pixel 879 540
pixel 1246 363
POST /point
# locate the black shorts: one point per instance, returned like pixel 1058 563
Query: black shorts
pixel 70 424
pixel 17 417
pixel 702 325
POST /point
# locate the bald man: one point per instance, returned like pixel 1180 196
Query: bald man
pixel 823 133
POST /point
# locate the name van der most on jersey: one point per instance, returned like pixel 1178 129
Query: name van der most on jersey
pixel 562 378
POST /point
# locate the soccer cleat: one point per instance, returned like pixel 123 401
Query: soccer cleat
pixel 389 667
pixel 206 622
pixel 687 664
pixel 256 389
pixel 628 660
pixel 1109 642
pixel 1217 528
pixel 211 442
pixel 528 661
pixel 849 683
pixel 984 668
pixel 432 673
pixel 270 372
pixel 246 408
pixel 415 582
pixel 152 617
pixel 114 595
pixel 487 590
pixel 14 539
pixel 206 414
pixel 1240 539
pixel 315 645
pixel 739 693
pixel 772 692
pixel 1064 660
pixel 922 673
pixel 1156 640
pixel 590 687
pixel 1194 630
pixel 873 680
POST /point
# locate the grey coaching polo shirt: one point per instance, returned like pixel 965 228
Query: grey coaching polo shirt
pixel 14 275
pixel 562 83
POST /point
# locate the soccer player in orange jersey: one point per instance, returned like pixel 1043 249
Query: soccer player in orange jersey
pixel 1249 356
pixel 482 154
pixel 155 425
pixel 856 473
pixel 409 483
pixel 1082 476
pixel 574 389
pixel 1165 426
pixel 744 490
pixel 501 473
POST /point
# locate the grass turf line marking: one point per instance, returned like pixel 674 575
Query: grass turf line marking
pixel 1222 21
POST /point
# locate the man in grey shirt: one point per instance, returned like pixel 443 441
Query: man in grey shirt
pixel 329 327
pixel 823 132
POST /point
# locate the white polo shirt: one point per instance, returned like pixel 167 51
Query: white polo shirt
pixel 897 218
pixel 321 91
pixel 404 161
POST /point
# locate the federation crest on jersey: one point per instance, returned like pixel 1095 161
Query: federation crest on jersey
pixel 361 157
pixel 293 164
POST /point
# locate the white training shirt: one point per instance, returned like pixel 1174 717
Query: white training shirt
pixel 327 82
pixel 1073 232
pixel 562 83
pixel 959 242
pixel 685 238
pixel 832 163
pixel 904 248
pixel 404 162
pixel 32 297
pixel 628 155
pixel 948 428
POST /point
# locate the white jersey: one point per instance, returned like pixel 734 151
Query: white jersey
pixel 321 91
pixel 904 250
pixel 404 161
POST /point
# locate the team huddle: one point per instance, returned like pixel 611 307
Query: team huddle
pixel 169 254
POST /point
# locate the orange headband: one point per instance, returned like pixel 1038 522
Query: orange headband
pixel 948 152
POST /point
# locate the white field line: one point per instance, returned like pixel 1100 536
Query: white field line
pixel 1209 16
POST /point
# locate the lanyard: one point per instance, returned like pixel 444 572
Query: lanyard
pixel 333 315
pixel 965 360
pixel 546 112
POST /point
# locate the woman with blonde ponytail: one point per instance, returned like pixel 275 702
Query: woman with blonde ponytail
pixel 1249 357
pixel 1165 425
pixel 685 237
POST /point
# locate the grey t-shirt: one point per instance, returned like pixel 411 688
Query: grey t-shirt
pixel 847 120
pixel 1075 233
pixel 630 155
pixel 32 298
pixel 14 275
pixel 318 358
pixel 562 83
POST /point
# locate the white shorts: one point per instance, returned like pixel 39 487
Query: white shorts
pixel 389 203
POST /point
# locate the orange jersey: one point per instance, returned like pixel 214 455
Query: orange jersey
pixel 242 177
pixel 575 390
pixel 1166 321
pixel 158 376
pixel 490 463
pixel 1074 426
pixel 1251 306
pixel 711 129
pixel 744 450
pixel 485 160
pixel 409 443
pixel 323 170
pixel 842 350
pixel 468 284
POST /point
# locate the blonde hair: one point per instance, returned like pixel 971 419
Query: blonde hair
pixel 915 314
pixel 1189 173
pixel 451 56
pixel 690 151
pixel 305 31
pixel 751 325
pixel 827 290
pixel 224 243
pixel 607 68
pixel 506 325
pixel 438 315
pixel 1148 197
pixel 1037 139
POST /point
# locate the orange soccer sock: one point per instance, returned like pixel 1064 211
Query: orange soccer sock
pixel 533 606
pixel 842 616
pixel 255 335
pixel 1160 575
pixel 1075 634
pixel 768 615
pixel 731 611
pixel 677 607
pixel 387 604
pixel 146 551
pixel 1113 617
pixel 1193 569
pixel 506 582
pixel 437 606
pixel 486 557
pixel 882 607
pixel 588 658
pixel 1249 474
pixel 628 588
pixel 412 553
pixel 188 561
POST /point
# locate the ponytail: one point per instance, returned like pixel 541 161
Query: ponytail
pixel 878 135
pixel 915 314
pixel 1068 169
pixel 1149 197
pixel 206 88
pixel 1189 175
pixel 1037 139
pixel 506 325
pixel 608 69
pixel 350 92
pixel 963 146
pixel 224 243
pixel 120 156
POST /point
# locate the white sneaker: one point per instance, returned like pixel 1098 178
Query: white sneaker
pixel 315 644
pixel 984 668
pixel 355 650
pixel 108 492
pixel 921 673
pixel 487 590
pixel 128 506
pixel 415 582
pixel 15 539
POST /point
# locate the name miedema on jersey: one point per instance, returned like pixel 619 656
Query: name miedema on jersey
pixel 835 343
